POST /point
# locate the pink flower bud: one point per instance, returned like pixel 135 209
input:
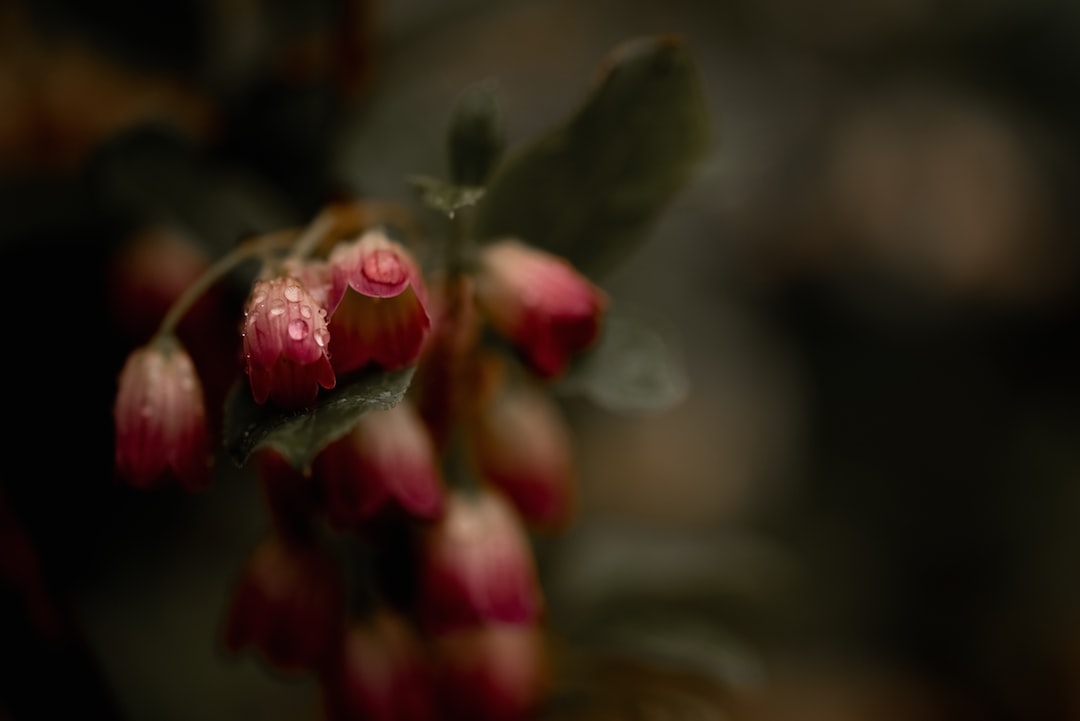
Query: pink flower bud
pixel 161 431
pixel 285 343
pixel 476 565
pixel 149 272
pixel 492 672
pixel 521 444
pixel 381 674
pixel 291 496
pixel 539 302
pixel 377 304
pixel 289 605
pixel 386 461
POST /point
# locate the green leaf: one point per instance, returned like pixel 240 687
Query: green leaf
pixel 635 367
pixel 445 197
pixel 476 137
pixel 299 435
pixel 591 188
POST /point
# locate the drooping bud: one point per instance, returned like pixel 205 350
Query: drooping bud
pixel 520 443
pixel 377 304
pixel 539 302
pixel 149 272
pixel 291 496
pixel 476 565
pixel 381 674
pixel 288 605
pixel 286 343
pixel 493 672
pixel 160 417
pixel 386 461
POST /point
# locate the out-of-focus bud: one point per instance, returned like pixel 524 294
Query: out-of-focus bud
pixel 475 565
pixel 286 343
pixel 160 416
pixel 539 302
pixel 381 674
pixel 493 672
pixel 520 443
pixel 377 304
pixel 291 496
pixel 385 462
pixel 149 272
pixel 289 605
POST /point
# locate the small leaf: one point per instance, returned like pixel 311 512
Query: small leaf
pixel 476 137
pixel 591 188
pixel 634 368
pixel 300 435
pixel 445 197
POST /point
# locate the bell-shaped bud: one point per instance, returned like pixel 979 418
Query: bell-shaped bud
pixel 292 499
pixel 539 302
pixel 160 417
pixel 520 443
pixel 382 673
pixel 385 463
pixel 475 565
pixel 377 304
pixel 148 272
pixel 289 606
pixel 286 343
pixel 493 672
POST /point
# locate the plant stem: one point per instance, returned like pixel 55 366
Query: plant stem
pixel 243 252
pixel 460 245
pixel 315 233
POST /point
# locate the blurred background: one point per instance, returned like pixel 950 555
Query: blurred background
pixel 864 508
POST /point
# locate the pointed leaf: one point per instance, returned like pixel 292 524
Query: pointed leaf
pixel 445 197
pixel 300 435
pixel 591 188
pixel 634 368
pixel 476 137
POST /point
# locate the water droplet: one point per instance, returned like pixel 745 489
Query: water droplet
pixel 293 292
pixel 298 329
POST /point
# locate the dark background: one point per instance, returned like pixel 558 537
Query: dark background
pixel 865 507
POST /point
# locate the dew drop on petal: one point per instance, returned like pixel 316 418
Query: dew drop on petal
pixel 298 329
pixel 293 293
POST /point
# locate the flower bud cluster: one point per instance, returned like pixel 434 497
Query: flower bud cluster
pixel 442 490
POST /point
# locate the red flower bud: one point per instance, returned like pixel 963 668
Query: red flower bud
pixel 476 565
pixel 386 460
pixel 285 343
pixel 492 672
pixel 289 605
pixel 382 674
pixel 521 444
pixel 377 304
pixel 160 417
pixel 291 497
pixel 539 302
